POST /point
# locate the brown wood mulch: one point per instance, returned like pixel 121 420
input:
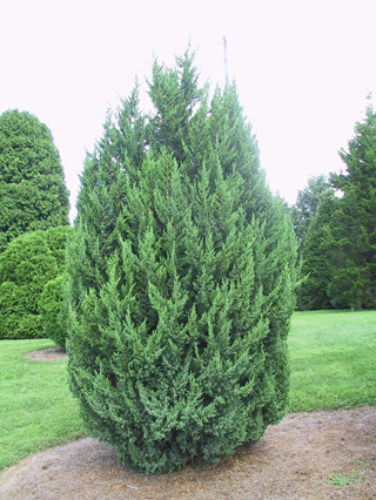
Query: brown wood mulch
pixel 316 455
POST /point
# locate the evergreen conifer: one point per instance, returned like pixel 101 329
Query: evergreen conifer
pixel 317 251
pixel 32 191
pixel 181 276
pixel 354 229
pixel 307 205
pixel 29 262
pixel 50 309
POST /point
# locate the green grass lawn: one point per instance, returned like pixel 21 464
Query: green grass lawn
pixel 332 359
pixel 37 409
pixel 333 365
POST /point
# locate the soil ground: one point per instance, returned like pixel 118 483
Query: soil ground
pixel 315 455
pixel 50 354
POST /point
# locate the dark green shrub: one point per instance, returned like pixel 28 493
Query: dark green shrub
pixel 32 190
pixel 27 264
pixel 181 282
pixel 50 310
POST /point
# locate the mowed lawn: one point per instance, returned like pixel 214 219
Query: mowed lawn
pixel 37 409
pixel 332 358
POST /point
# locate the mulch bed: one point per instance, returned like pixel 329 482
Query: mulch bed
pixel 315 455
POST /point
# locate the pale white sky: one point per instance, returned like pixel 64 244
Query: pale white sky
pixel 303 69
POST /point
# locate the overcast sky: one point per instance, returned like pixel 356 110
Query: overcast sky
pixel 303 69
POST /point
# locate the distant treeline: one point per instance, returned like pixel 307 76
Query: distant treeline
pixel 335 223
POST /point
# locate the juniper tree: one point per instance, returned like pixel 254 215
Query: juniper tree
pixel 181 281
pixel 32 190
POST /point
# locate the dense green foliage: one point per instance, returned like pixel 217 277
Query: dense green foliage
pixel 332 366
pixel 32 190
pixel 354 227
pixel 317 254
pixel 339 245
pixel 29 262
pixel 50 304
pixel 181 281
pixel 307 205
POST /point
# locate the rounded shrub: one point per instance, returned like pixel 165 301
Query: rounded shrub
pixel 181 277
pixel 50 304
pixel 28 263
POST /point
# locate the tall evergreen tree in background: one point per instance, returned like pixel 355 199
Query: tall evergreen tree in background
pixel 32 190
pixel 312 215
pixel 338 246
pixel 354 283
pixel 307 205
pixel 181 281
pixel 317 250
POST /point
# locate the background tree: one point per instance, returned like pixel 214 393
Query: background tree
pixel 32 190
pixel 317 249
pixel 338 246
pixel 181 281
pixel 307 205
pixel 354 283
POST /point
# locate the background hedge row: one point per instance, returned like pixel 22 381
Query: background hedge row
pixel 27 266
